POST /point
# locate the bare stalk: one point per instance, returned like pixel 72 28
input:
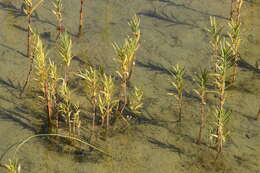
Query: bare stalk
pixel 258 115
pixel 81 17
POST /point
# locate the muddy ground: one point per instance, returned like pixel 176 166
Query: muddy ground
pixel 173 31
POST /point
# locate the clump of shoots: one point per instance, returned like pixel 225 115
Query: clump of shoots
pixel 177 83
pixel 57 12
pixel 235 11
pixel 202 80
pixel 218 132
pixel 46 76
pixel 42 74
pixel 106 103
pixel 215 39
pixel 12 167
pixel 65 104
pixel 234 36
pixel 92 83
pixel 81 17
pixel 135 102
pixel 126 59
pixel 65 51
pixel 69 110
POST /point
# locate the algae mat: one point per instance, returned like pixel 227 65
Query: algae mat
pixel 173 31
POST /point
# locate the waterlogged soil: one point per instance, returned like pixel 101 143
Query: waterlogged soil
pixel 173 31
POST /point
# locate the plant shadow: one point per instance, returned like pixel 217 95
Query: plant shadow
pixel 246 66
pixel 13 50
pixel 185 7
pixel 162 145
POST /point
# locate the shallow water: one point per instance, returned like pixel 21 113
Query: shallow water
pixel 173 31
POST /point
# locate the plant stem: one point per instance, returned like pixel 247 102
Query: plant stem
pixel 232 9
pixel 258 115
pixel 28 75
pixel 29 32
pixel 108 117
pixel 81 17
pixel 180 107
pixel 66 73
pixel 123 96
pixel 48 102
pixel 234 76
pixel 202 116
pixel 94 115
pixel 235 10
pixel 28 48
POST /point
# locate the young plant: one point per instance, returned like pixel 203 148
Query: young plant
pixel 65 51
pixel 224 63
pixel 234 36
pixel 92 83
pixel 202 80
pixel 81 17
pixel 12 167
pixel 29 11
pixel 215 39
pixel 57 12
pixel 177 83
pixel 106 103
pixel 126 59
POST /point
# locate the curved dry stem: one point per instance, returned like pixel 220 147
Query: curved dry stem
pixel 62 136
